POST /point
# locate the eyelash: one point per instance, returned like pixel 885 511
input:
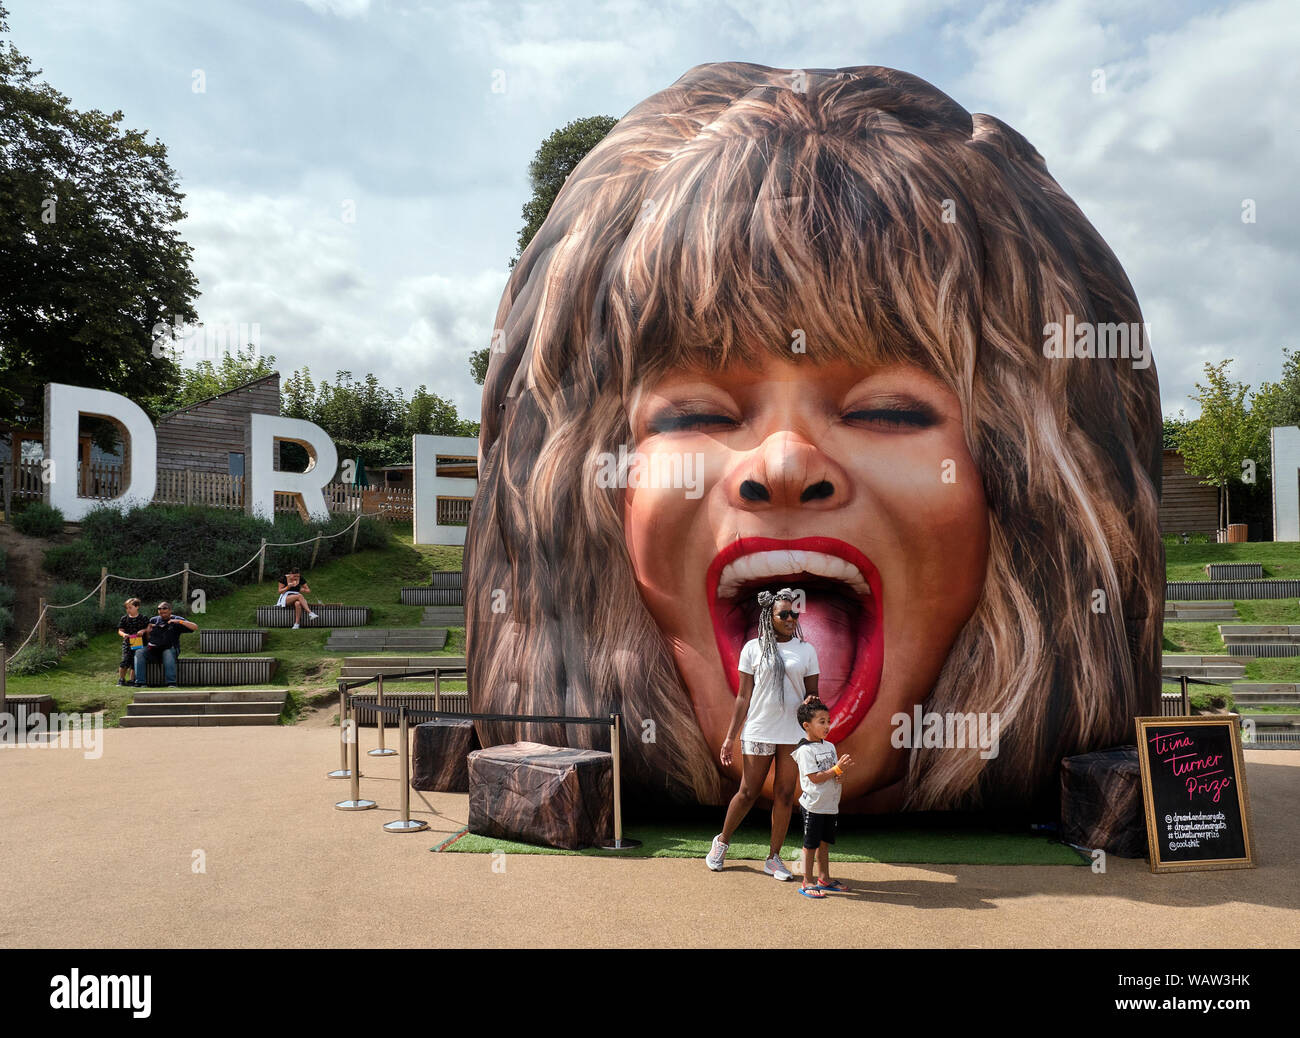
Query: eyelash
pixel 907 417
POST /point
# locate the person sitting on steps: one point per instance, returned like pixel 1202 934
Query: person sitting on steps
pixel 293 592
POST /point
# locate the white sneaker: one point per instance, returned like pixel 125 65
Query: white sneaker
pixel 775 868
pixel 312 616
pixel 296 626
pixel 717 855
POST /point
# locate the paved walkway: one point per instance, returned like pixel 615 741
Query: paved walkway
pixel 106 853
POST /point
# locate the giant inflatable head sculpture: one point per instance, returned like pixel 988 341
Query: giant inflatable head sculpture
pixel 822 329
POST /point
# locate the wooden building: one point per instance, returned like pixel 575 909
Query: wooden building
pixel 209 436
pixel 1186 505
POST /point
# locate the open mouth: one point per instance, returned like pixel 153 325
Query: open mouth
pixel 841 616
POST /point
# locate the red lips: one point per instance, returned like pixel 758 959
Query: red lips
pixel 839 635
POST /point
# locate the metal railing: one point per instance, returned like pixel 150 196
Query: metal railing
pixel 349 735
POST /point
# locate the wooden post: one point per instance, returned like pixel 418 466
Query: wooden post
pixel 40 623
pixel 9 492
pixel 314 551
pixel 185 588
pixel 4 665
pixel 261 561
pixel 103 587
pixel 189 486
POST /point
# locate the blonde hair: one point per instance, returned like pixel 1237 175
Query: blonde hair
pixel 889 224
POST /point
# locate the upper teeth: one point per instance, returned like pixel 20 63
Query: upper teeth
pixel 763 565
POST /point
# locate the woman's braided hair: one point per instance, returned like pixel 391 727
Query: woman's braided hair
pixel 767 634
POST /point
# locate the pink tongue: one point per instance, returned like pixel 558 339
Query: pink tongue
pixel 829 625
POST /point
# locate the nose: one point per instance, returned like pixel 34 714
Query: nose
pixel 788 471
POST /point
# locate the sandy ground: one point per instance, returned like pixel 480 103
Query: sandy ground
pixel 228 837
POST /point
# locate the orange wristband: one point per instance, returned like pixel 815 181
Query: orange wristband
pixel 838 770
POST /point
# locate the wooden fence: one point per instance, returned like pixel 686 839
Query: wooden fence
pixel 212 489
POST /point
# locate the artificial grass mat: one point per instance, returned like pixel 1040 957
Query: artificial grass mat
pixel 896 844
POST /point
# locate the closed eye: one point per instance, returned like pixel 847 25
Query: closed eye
pixel 678 422
pixel 919 417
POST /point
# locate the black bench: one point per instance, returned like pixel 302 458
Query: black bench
pixel 433 596
pixel 327 616
pixel 199 671
pixel 231 641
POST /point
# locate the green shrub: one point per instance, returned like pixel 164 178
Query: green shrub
pixel 6 620
pixel 39 520
pixel 4 561
pixel 84 618
pixel 155 540
pixel 7 596
pixel 1210 699
pixel 33 659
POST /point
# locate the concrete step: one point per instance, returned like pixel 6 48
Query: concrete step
pixel 1266 699
pixel 408 662
pixel 240 695
pixel 1275 720
pixel 1285 688
pixel 247 707
pixel 197 720
pixel 1201 616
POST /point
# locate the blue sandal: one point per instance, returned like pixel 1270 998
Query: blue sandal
pixel 835 885
pixel 811 892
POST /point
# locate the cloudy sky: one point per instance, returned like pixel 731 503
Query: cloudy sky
pixel 311 110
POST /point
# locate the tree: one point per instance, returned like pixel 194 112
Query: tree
pixel 207 380
pixel 1173 430
pixel 1226 435
pixel 91 264
pixel 555 159
pixel 364 419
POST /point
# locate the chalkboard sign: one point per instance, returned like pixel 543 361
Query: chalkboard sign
pixel 1194 793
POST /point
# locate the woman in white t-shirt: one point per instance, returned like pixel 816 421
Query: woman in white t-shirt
pixel 778 671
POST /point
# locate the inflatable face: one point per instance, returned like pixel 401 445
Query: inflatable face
pixel 793 329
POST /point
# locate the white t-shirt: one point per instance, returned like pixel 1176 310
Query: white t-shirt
pixel 818 798
pixel 769 720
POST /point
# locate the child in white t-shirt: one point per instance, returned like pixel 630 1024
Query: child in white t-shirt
pixel 819 777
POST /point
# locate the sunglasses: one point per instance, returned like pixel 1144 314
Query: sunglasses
pixel 786 614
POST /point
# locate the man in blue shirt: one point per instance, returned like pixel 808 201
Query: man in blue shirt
pixel 163 638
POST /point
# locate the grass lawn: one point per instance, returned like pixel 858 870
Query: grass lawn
pixel 897 843
pixel 1280 559
pixel 86 679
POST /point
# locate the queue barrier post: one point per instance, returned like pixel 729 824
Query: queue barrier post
pixel 380 750
pixel 343 771
pixel 1187 702
pixel 355 803
pixel 405 824
pixel 615 740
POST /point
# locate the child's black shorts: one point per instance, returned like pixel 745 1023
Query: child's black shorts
pixel 128 657
pixel 817 828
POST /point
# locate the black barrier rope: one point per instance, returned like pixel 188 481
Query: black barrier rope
pixel 435 672
pixel 352 769
pixel 536 718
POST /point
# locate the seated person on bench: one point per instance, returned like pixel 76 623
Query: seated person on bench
pixel 163 638
pixel 293 592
